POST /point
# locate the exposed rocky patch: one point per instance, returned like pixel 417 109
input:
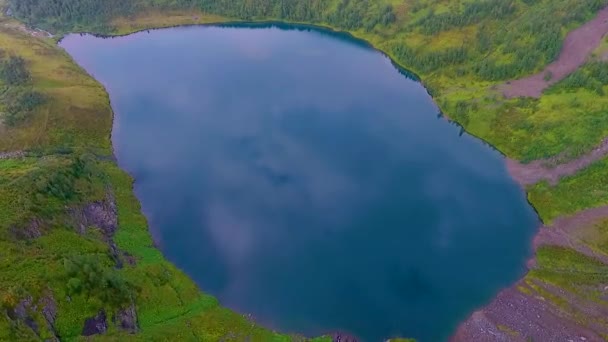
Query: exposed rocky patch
pixel 49 311
pixel 578 46
pixel 96 325
pixel 129 259
pixel 30 231
pixel 21 312
pixel 12 155
pixel 102 214
pixel 539 170
pixel 515 315
pixel 343 337
pixel 126 319
pixel 25 311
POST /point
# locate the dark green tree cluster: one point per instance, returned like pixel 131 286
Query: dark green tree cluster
pixel 430 61
pixel 535 42
pixel 90 276
pixel 64 14
pixel 19 104
pixel 293 10
pixel 578 11
pixel 347 14
pixel 60 181
pixel 473 12
pixel 13 71
pixel 355 14
pixel 461 110
pixel 532 40
pixel 506 49
pixel 593 77
pixel 18 99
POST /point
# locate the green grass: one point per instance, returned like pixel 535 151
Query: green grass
pixel 586 189
pixel 566 268
pixel 580 276
pixel 168 303
pixel 77 114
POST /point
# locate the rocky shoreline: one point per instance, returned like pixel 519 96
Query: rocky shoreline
pixel 529 310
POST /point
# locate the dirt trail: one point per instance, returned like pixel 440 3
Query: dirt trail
pixel 576 49
pixel 538 170
pixel 521 313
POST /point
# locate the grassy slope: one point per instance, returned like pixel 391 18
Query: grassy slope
pixel 84 108
pixel 563 122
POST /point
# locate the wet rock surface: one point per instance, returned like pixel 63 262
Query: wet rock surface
pixel 102 214
pixel 343 337
pixel 30 231
pixel 49 312
pixel 21 312
pixel 95 325
pixel 126 319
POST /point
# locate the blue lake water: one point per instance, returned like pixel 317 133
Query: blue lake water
pixel 301 178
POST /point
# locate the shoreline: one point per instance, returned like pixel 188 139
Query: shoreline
pixel 529 305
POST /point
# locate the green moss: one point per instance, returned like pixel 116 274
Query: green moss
pixel 506 329
pixel 586 189
pixel 570 270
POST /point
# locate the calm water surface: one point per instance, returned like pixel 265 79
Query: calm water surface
pixel 299 177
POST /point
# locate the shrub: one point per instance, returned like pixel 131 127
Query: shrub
pixel 89 276
pixel 13 71
pixel 19 105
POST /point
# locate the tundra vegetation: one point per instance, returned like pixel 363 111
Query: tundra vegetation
pixel 74 245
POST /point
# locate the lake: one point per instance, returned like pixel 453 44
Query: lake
pixel 300 177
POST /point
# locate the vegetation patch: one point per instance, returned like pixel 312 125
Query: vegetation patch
pixel 17 99
pixel 586 189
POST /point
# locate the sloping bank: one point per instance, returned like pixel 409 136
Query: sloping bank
pixel 158 300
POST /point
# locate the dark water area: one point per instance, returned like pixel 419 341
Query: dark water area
pixel 301 178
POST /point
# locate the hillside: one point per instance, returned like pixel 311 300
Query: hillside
pixel 69 218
